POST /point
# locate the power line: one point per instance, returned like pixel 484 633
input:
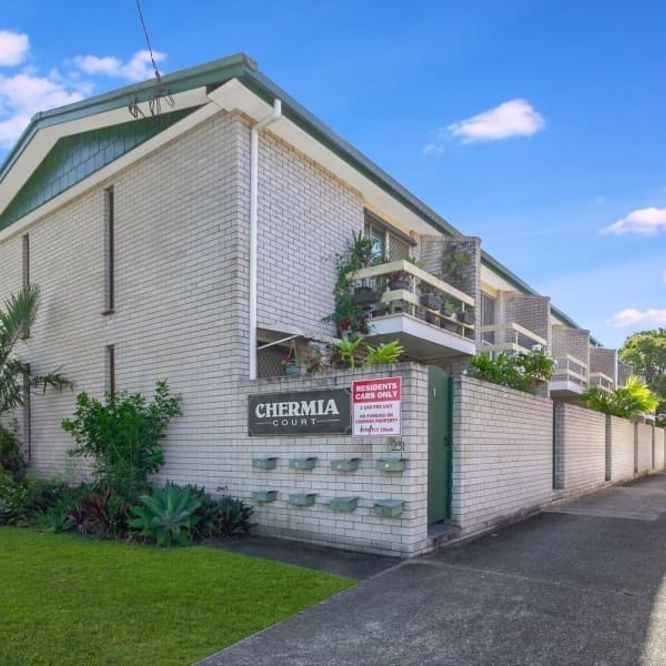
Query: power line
pixel 145 34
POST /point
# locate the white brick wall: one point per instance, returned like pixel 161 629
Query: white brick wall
pixel 643 448
pixel 620 444
pixel 362 529
pixel 659 453
pixel 306 216
pixel 502 453
pixel 177 262
pixel 580 448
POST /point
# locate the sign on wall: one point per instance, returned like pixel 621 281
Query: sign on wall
pixel 300 413
pixel 376 406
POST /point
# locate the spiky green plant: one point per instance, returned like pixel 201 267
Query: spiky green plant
pixel 384 354
pixel 629 401
pixel 168 515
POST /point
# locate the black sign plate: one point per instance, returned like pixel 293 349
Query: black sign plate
pixel 302 413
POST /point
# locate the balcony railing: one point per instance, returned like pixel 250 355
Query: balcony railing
pixel 408 289
pixel 510 337
pixel 602 381
pixel 569 368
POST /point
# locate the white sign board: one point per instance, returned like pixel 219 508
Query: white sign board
pixel 376 406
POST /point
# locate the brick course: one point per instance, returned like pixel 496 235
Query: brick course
pixel 580 448
pixel 502 453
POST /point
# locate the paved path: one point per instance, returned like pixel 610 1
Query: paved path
pixel 580 584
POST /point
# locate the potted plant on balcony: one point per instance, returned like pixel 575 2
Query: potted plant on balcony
pixel 450 308
pixel 430 297
pixel 292 367
pixel 466 316
pixel 399 280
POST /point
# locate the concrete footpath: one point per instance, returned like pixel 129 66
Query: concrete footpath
pixel 579 584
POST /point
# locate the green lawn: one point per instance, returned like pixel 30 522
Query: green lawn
pixel 69 600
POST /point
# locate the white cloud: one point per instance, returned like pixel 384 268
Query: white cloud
pixel 432 149
pixel 137 68
pixel 14 47
pixel 638 318
pixel 514 118
pixel 643 221
pixel 23 94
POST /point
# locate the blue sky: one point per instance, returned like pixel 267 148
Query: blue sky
pixel 576 146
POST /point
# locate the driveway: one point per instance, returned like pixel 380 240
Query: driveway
pixel 579 584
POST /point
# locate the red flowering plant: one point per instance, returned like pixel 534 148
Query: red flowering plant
pixel 349 317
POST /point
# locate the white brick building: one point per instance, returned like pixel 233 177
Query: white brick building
pixel 139 233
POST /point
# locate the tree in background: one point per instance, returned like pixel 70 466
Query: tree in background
pixel 646 352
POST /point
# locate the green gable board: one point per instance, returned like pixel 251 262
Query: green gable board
pixel 76 157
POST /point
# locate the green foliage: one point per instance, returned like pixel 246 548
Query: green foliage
pixel 646 353
pixel 525 372
pixel 384 354
pixel 226 517
pixel 101 513
pixel 629 401
pixel 11 456
pixel 16 318
pixel 167 516
pixel 348 317
pixel 350 349
pixel 454 260
pixel 15 500
pixel 122 436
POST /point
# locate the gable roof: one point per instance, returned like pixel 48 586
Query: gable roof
pixel 189 88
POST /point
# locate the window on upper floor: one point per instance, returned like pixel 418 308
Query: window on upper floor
pixel 389 243
pixel 109 252
pixel 488 316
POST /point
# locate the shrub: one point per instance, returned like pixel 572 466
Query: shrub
pixel 17 499
pixel 101 513
pixel 226 517
pixel 628 401
pixel 122 436
pixel 525 372
pixel 384 354
pixel 11 456
pixel 168 515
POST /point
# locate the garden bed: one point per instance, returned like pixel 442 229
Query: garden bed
pixel 67 599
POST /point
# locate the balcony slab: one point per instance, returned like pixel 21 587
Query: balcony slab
pixel 420 339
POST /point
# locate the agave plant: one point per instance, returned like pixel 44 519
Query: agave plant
pixel 168 516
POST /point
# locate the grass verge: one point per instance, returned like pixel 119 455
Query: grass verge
pixel 69 600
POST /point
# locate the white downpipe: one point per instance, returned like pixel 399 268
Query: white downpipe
pixel 257 128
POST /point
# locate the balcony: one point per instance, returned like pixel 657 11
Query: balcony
pixel 570 378
pixel 602 381
pixel 429 317
pixel 510 338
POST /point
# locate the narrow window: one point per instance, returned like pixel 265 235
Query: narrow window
pixel 487 317
pixel 27 428
pixel 26 271
pixel 111 370
pixel 109 252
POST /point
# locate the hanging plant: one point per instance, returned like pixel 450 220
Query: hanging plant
pixel 351 299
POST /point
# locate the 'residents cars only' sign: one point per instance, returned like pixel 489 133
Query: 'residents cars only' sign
pixel 301 413
pixel 376 406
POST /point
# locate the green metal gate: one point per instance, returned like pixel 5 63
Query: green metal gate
pixel 439 445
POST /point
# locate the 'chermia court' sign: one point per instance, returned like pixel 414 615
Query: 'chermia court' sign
pixel 376 406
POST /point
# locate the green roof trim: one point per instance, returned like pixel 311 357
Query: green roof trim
pixel 76 157
pixel 217 72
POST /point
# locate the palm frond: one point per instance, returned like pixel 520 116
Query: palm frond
pixel 53 380
pixel 16 318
